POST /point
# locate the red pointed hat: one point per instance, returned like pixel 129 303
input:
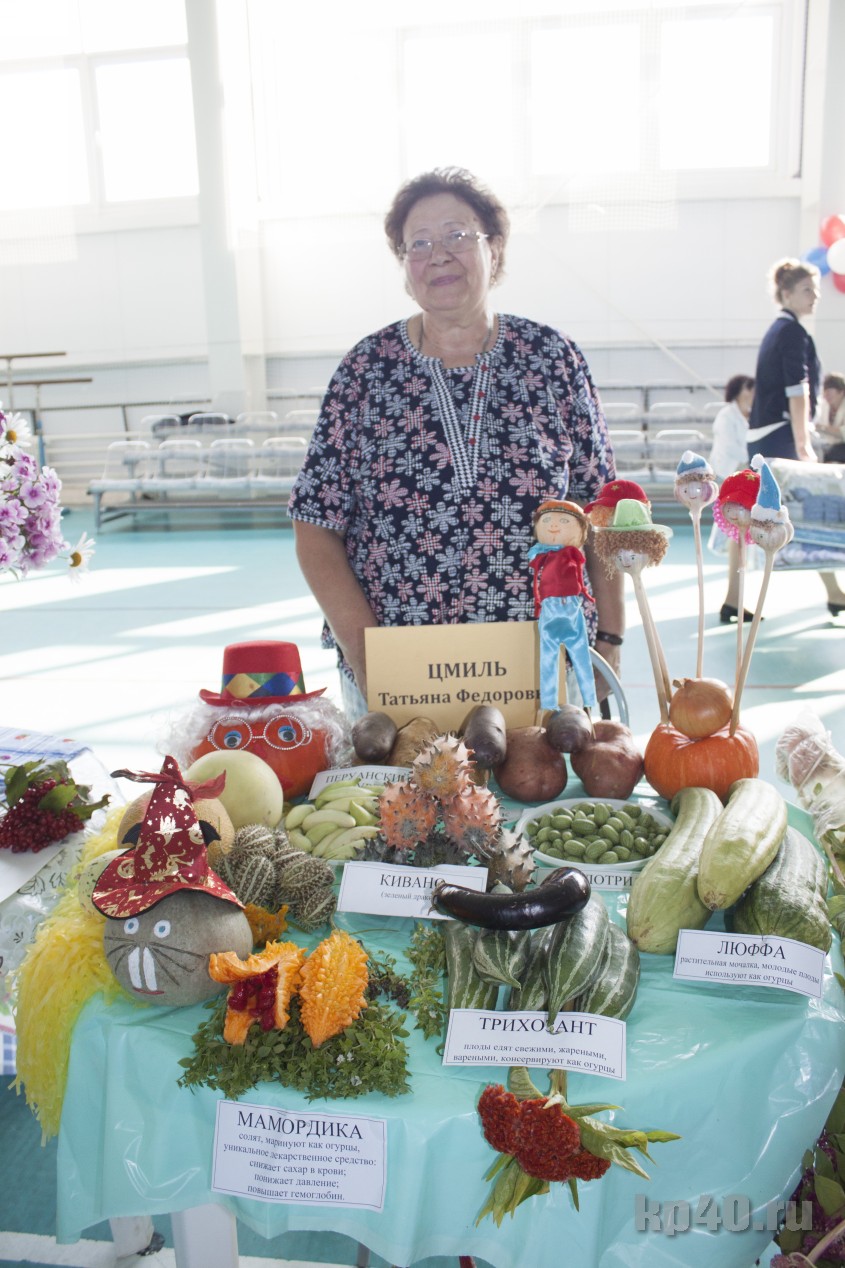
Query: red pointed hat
pixel 741 487
pixel 259 673
pixel 170 854
pixel 613 493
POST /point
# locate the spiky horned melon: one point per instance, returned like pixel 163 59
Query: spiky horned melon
pixel 443 768
pixel 473 818
pixel 406 815
pixel 334 979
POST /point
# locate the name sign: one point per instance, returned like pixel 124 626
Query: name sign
pixel 380 889
pixel 278 1155
pixel 750 960
pixel 603 878
pixel 575 1041
pixel 365 776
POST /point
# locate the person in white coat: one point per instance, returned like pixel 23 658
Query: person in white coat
pixel 728 454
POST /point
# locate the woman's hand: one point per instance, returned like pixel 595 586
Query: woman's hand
pixel 799 415
pixel 321 553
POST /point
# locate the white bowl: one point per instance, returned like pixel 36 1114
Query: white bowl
pixel 595 872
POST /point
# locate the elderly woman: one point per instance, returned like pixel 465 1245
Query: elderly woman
pixel 437 438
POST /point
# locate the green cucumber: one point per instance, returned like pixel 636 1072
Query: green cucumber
pixel 788 900
pixel 664 896
pixel 741 843
pixel 615 989
pixel 574 954
pixel 501 955
pixel 466 988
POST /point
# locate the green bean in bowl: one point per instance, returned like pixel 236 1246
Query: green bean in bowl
pixel 622 835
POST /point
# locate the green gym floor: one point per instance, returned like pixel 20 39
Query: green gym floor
pixel 112 660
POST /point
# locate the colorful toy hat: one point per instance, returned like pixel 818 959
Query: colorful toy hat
pixel 693 464
pixel 611 494
pixel 261 672
pixel 741 487
pixel 768 505
pixel 170 853
pixel 632 516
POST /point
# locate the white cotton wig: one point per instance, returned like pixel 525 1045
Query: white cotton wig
pixel 187 730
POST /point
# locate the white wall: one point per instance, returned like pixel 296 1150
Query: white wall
pixel 672 290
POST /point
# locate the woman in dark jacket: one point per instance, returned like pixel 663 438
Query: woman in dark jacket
pixel 788 383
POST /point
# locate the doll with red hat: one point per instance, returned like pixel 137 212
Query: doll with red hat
pixel 732 516
pixel 560 529
pixel 262 707
pixel 166 910
pixel 600 511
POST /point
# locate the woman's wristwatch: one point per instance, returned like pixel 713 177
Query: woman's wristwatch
pixel 613 640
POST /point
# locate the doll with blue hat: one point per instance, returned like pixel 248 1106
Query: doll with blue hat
pixel 696 487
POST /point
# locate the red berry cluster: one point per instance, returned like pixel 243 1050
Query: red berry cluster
pixel 27 827
pixel 257 995
pixel 545 1142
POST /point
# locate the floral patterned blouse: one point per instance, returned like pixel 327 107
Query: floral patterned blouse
pixel 432 474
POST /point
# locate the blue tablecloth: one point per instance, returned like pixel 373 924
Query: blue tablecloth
pixel 745 1075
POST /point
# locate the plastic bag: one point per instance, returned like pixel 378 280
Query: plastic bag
pixel 806 758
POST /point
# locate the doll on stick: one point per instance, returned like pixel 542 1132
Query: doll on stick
pixel 560 529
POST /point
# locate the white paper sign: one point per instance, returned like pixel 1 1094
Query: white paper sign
pixel 750 960
pixel 599 877
pixel 577 1041
pixel 381 889
pixel 278 1155
pixel 365 775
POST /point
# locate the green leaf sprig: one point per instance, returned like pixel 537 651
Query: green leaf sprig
pixel 427 954
pixel 370 1055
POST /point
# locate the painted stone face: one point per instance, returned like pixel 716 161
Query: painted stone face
pixel 161 955
pixel 283 738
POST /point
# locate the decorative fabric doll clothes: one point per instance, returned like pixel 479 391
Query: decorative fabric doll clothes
pixel 558 587
pixel 431 475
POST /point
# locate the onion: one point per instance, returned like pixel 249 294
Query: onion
pixel 700 706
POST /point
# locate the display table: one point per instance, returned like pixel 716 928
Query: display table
pixel 30 884
pixel 746 1076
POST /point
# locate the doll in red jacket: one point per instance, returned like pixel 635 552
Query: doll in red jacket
pixel 560 529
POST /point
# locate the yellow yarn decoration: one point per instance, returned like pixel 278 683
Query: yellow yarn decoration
pixel 62 969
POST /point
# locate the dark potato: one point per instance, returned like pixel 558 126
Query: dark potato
pixel 568 729
pixel 373 736
pixel 411 739
pixel 611 765
pixel 484 732
pixel 532 770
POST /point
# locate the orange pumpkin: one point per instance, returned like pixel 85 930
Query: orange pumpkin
pixel 674 761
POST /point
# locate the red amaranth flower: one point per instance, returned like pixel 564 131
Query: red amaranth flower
pixel 545 1140
pixel 586 1166
pixel 499 1112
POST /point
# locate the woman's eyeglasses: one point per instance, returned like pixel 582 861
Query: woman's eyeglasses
pixel 455 243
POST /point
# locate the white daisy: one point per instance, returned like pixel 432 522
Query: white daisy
pixel 79 556
pixel 16 431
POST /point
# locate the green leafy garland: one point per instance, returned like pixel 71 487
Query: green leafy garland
pixel 370 1055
